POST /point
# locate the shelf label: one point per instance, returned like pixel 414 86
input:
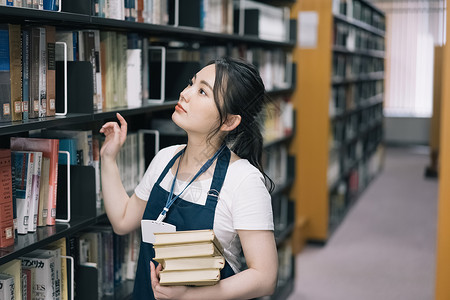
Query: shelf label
pixel 308 22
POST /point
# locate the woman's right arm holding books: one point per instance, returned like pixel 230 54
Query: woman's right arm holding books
pixel 124 212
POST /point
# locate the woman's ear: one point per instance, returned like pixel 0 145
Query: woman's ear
pixel 231 123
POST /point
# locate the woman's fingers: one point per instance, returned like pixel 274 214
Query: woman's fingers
pixel 153 277
pixel 123 127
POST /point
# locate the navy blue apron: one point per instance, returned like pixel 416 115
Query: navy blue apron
pixel 184 215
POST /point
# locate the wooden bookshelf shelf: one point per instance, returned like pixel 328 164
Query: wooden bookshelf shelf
pixel 359 24
pixel 43 236
pixel 369 53
pixel 183 32
pixel 339 122
pixel 9 13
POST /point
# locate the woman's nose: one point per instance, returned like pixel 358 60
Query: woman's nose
pixel 184 95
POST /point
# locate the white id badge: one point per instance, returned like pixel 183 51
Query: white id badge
pixel 151 226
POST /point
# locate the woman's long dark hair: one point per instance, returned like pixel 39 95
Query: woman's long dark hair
pixel 239 90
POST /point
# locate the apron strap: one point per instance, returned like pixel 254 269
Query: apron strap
pixel 169 165
pixel 218 178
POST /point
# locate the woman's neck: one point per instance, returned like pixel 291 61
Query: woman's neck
pixel 196 155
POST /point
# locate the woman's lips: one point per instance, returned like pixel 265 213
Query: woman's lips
pixel 179 107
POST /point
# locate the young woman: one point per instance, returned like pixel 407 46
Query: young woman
pixel 214 187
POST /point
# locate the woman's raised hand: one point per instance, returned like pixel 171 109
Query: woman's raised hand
pixel 115 137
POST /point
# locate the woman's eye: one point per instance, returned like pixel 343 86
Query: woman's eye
pixel 202 92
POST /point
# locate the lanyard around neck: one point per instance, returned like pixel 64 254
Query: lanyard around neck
pixel 171 199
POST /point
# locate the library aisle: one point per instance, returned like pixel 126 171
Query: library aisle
pixel 386 246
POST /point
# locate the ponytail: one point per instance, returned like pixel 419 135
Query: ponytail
pixel 242 91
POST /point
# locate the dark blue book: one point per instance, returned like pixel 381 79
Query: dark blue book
pixel 50 5
pixel 5 75
pixel 22 184
pixel 69 145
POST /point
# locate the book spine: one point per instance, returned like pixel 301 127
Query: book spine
pixel 89 52
pixel 51 70
pixel 140 11
pixel 42 73
pixel 36 179
pixel 28 293
pixel 15 53
pixel 43 192
pixel 7 288
pixel 25 73
pixel 24 286
pixel 53 179
pixel 6 200
pixel 14 200
pixel 33 109
pixel 44 277
pixel 49 5
pixel 98 75
pixel 5 80
pixel 30 169
pixel 21 168
pixel 55 253
pixel 75 45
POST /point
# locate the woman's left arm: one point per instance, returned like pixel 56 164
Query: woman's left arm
pixel 258 280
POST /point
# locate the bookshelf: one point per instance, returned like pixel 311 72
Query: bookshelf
pixel 78 16
pixel 442 290
pixel 339 100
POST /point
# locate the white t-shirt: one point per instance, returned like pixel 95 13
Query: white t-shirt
pixel 244 202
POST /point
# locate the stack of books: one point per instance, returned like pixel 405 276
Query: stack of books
pixel 192 257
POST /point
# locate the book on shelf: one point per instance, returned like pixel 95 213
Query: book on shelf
pixel 49 149
pixel 29 281
pixel 200 277
pixel 43 192
pixel 26 34
pixel 134 78
pixel 91 44
pixel 50 70
pixel 60 247
pixel 10 73
pixel 15 56
pixel 23 170
pixel 7 286
pixel 69 145
pixel 34 69
pixel 14 269
pixel 34 194
pixel 83 142
pixel 265 21
pixel 24 285
pixel 45 273
pixel 54 252
pixel 69 38
pixel 6 200
pixel 42 112
pixel 5 80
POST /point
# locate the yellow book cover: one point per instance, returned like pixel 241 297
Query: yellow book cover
pixel 187 236
pixel 190 277
pixel 14 268
pixel 192 263
pixel 61 244
pixel 186 250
